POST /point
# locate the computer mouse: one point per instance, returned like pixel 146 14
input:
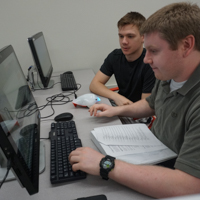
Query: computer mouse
pixel 63 117
pixel 68 72
pixel 86 100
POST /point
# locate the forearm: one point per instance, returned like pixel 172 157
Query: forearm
pixel 138 109
pixel 100 89
pixel 155 181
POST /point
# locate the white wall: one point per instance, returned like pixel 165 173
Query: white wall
pixel 79 33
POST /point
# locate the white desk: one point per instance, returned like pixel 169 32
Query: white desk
pixel 92 185
pixel 186 197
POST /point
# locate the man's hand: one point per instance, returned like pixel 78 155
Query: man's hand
pixel 121 100
pixel 86 159
pixel 106 110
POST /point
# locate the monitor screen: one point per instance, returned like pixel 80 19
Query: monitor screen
pixel 41 58
pixel 19 122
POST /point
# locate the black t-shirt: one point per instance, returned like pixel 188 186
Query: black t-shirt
pixel 133 78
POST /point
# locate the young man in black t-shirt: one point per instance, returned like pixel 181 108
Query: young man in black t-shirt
pixel 134 78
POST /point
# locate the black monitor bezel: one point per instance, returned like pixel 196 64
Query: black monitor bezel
pixel 8 148
pixel 45 80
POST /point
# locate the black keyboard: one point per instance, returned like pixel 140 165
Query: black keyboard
pixel 68 81
pixel 64 139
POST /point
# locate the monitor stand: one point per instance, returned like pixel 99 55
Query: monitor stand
pixel 39 85
pixel 33 75
pixel 11 176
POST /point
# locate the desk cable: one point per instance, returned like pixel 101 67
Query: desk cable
pixel 57 99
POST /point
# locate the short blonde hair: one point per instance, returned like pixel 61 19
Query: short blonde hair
pixel 175 22
pixel 134 18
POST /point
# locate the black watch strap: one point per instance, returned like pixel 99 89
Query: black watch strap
pixel 106 165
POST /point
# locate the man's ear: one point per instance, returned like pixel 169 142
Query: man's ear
pixel 188 45
pixel 142 36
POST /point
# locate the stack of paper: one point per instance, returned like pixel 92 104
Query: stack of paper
pixel 133 143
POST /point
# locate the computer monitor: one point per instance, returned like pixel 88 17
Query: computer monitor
pixel 19 123
pixel 42 60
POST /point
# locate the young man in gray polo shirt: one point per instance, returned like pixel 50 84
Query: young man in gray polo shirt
pixel 172 41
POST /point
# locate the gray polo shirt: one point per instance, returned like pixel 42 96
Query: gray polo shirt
pixel 178 121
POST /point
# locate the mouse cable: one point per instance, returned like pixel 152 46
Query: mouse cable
pixel 8 169
pixel 75 96
pixel 32 107
pixel 75 90
pixel 78 84
pixel 51 101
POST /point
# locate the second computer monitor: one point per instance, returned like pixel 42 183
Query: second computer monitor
pixel 42 59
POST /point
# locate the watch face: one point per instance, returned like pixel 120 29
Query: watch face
pixel 107 164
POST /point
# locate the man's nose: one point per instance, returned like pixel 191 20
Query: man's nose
pixel 124 40
pixel 147 59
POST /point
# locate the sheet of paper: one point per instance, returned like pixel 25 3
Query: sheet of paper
pixel 149 157
pixel 121 150
pixel 130 134
pixel 133 143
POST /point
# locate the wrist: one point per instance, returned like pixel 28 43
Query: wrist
pixel 114 95
pixel 106 164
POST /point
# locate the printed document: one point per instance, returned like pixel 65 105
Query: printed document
pixel 125 140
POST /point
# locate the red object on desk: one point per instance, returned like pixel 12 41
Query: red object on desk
pixel 114 89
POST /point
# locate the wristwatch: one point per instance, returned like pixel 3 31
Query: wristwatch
pixel 106 165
